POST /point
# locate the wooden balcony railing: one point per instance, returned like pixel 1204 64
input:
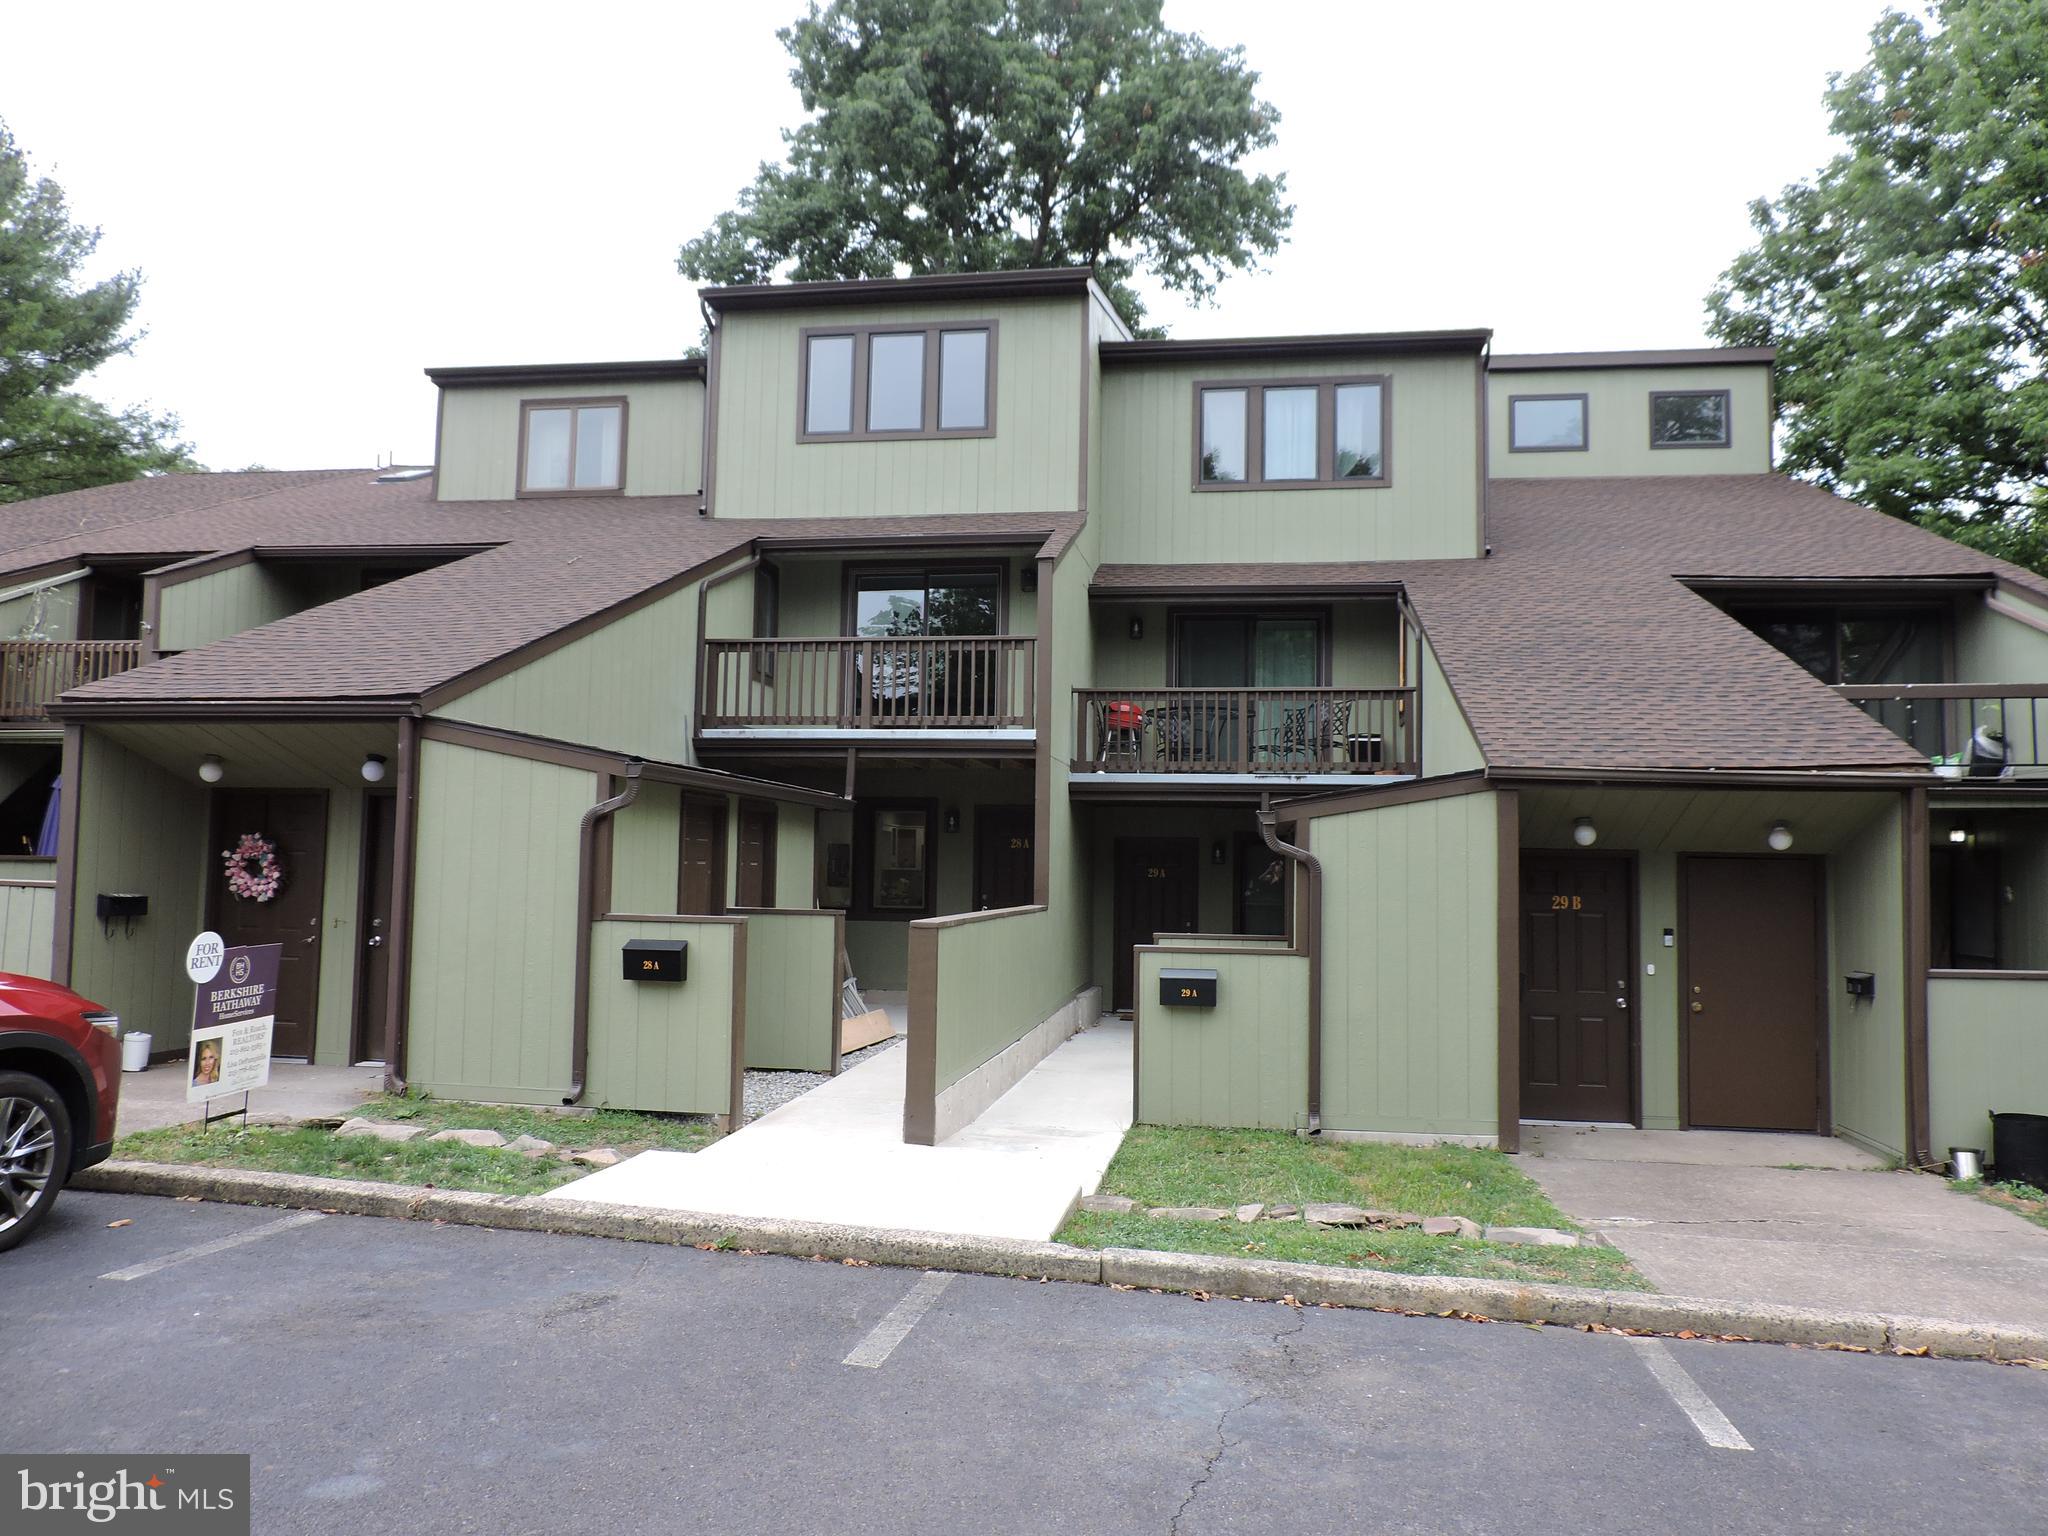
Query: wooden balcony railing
pixel 33 672
pixel 1247 730
pixel 931 682
pixel 1965 730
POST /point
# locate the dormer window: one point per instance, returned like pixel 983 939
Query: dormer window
pixel 1546 423
pixel 1689 418
pixel 572 447
pixel 865 383
pixel 1291 434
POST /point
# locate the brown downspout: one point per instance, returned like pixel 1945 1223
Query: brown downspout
pixel 586 906
pixel 1309 936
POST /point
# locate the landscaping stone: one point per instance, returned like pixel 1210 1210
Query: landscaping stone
pixel 531 1146
pixel 1109 1205
pixel 1467 1227
pixel 383 1130
pixel 1283 1213
pixel 1249 1212
pixel 471 1138
pixel 1356 1216
pixel 596 1157
pixel 1188 1213
pixel 1534 1237
pixel 1441 1226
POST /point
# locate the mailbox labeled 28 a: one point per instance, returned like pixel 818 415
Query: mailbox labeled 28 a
pixel 657 959
pixel 1187 989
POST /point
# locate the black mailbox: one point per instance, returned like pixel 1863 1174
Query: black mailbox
pixel 657 959
pixel 1187 989
pixel 113 904
pixel 1861 984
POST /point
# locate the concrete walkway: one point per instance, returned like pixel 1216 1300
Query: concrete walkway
pixel 837 1154
pixel 1716 1214
pixel 156 1098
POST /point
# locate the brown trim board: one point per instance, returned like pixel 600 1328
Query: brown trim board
pixel 1508 969
pixel 70 762
pixel 1913 826
pixel 921 1040
pixel 1042 743
pixel 735 1115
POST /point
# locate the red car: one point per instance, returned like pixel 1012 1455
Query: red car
pixel 60 1083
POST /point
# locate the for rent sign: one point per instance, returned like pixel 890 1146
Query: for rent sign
pixel 231 1024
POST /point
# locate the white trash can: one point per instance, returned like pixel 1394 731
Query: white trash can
pixel 134 1053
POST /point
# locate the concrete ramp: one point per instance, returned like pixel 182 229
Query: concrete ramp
pixel 837 1154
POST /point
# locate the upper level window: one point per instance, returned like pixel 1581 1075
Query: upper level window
pixel 865 382
pixel 1546 423
pixel 572 447
pixel 1292 433
pixel 1689 418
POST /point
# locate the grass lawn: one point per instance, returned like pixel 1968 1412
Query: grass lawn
pixel 1160 1165
pixel 2030 1202
pixel 443 1164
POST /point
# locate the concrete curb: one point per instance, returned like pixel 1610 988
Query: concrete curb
pixel 1213 1275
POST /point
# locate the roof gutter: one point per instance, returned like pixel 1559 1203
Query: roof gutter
pixel 1308 936
pixel 586 908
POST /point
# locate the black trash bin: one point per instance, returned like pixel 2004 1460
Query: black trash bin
pixel 2019 1149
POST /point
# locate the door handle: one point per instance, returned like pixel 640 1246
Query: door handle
pixel 375 940
pixel 1699 1007
pixel 1621 1002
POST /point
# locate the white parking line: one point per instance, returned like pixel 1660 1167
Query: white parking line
pixel 882 1340
pixel 218 1245
pixel 1710 1421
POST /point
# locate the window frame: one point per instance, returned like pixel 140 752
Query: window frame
pixel 1326 387
pixel 1325 622
pixel 929 430
pixel 1583 445
pixel 866 814
pixel 1727 416
pixel 573 403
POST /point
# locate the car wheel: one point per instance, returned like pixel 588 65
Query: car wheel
pixel 35 1153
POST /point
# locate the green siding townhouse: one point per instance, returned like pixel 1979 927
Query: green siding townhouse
pixel 1495 738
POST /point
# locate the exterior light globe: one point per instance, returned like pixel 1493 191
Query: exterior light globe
pixel 1779 837
pixel 211 769
pixel 373 769
pixel 1584 833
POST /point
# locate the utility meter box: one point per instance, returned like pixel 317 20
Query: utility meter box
pixel 1187 989
pixel 657 959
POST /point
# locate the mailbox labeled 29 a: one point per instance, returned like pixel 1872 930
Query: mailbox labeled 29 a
pixel 1187 989
pixel 657 959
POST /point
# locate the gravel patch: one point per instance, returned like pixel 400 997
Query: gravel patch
pixel 772 1090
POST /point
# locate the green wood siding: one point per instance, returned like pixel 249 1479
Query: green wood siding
pixel 48 613
pixel 1243 1062
pixel 1031 464
pixel 479 450
pixel 998 979
pixel 494 918
pixel 1866 932
pixel 222 603
pixel 1151 512
pixel 140 828
pixel 646 845
pixel 1410 991
pixel 660 1045
pixel 1987 1048
pixel 1991 648
pixel 793 990
pixel 1618 422
pixel 28 913
pixel 796 853
pixel 1448 745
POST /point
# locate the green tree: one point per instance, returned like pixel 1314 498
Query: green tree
pixel 53 332
pixel 1905 285
pixel 990 135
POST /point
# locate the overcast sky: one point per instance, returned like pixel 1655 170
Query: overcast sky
pixel 325 200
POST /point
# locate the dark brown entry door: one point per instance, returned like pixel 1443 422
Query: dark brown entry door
pixel 1576 916
pixel 700 884
pixel 1155 893
pixel 1002 856
pixel 1750 993
pixel 373 973
pixel 755 876
pixel 297 824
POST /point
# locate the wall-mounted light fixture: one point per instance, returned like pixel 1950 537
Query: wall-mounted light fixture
pixel 952 818
pixel 1779 837
pixel 373 768
pixel 211 769
pixel 1218 853
pixel 1959 834
pixel 1137 626
pixel 1584 833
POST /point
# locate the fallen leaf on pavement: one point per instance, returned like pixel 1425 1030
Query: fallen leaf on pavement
pixel 125 1221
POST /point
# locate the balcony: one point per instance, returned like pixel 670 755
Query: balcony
pixel 1966 730
pixel 981 687
pixel 34 672
pixel 1372 732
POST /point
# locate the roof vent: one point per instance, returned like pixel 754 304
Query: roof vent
pixel 398 476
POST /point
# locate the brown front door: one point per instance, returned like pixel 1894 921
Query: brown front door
pixel 373 971
pixel 297 823
pixel 1002 856
pixel 755 876
pixel 1155 893
pixel 700 885
pixel 1749 989
pixel 1576 1041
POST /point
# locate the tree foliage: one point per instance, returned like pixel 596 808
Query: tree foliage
pixel 990 135
pixel 1906 284
pixel 53 332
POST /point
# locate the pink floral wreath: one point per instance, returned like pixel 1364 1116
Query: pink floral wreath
pixel 253 871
